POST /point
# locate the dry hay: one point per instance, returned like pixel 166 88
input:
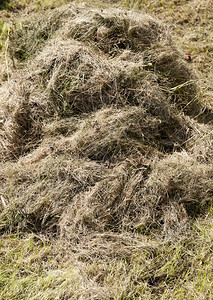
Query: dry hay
pixel 27 37
pixel 99 135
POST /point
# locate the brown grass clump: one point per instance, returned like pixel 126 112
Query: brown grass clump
pixel 102 146
pixel 106 176
pixel 114 134
pixel 27 37
pixel 112 90
pixel 142 199
pixel 22 123
pixel 116 32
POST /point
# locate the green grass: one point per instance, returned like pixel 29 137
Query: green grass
pixel 33 269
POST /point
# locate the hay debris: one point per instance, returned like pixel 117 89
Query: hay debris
pixel 95 132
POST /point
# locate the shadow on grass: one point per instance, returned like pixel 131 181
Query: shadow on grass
pixel 4 4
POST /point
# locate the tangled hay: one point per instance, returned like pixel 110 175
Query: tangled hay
pixel 99 130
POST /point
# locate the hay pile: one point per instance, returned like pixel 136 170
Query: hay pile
pixel 100 130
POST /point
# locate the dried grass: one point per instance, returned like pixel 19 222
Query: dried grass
pixel 27 37
pixel 105 161
pixel 98 132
